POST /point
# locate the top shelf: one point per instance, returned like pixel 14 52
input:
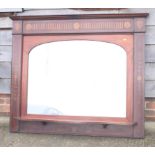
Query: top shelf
pixel 78 16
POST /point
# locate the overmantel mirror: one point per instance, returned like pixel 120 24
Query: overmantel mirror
pixel 78 74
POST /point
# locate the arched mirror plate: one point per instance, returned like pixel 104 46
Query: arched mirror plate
pixel 77 78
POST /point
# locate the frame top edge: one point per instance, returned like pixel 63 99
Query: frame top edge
pixel 78 16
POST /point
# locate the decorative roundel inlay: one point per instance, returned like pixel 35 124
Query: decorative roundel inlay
pixel 28 27
pixel 76 26
pixel 139 24
pixel 139 78
pixel 17 27
pixel 127 25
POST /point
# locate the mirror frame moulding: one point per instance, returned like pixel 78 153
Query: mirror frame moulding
pixel 115 39
pixel 101 27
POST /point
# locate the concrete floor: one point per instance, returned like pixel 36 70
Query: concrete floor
pixel 20 139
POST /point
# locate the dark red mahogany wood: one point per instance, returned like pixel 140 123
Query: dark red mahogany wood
pixel 125 30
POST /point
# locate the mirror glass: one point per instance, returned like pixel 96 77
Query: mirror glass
pixel 77 78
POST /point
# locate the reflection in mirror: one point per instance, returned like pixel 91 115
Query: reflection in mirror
pixel 77 78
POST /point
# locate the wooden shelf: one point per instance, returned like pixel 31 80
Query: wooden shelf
pixel 87 120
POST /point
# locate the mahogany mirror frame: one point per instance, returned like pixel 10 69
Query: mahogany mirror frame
pixel 125 30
